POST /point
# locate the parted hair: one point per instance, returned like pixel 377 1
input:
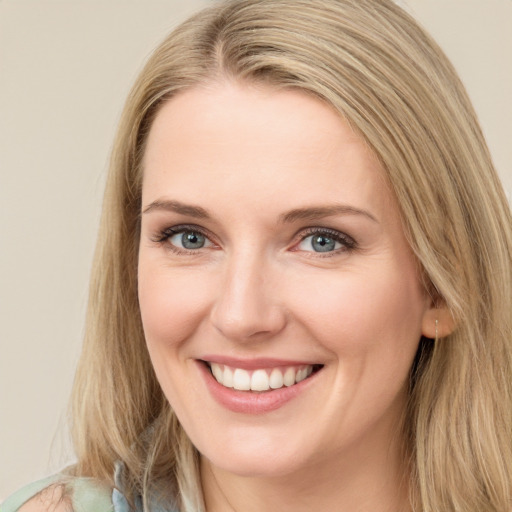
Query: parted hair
pixel 374 65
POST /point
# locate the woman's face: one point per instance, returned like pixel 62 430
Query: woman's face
pixel 272 256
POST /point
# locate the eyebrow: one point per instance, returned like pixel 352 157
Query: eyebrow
pixel 309 213
pixel 319 212
pixel 177 207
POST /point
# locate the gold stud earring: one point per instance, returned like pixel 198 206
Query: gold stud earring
pixel 437 322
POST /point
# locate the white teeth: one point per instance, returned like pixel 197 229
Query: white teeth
pixel 227 378
pixel 276 379
pixel 261 379
pixel 217 372
pixel 241 380
pixel 301 375
pixel 289 377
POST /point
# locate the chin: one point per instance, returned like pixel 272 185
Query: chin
pixel 257 466
pixel 260 459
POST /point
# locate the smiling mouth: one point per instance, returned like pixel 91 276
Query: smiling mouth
pixel 262 379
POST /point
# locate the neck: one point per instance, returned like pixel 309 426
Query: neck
pixel 363 481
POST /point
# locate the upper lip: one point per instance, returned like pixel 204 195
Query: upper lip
pixel 254 363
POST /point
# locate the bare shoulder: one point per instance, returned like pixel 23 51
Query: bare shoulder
pixel 51 499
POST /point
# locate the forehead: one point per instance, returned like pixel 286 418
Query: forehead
pixel 258 141
pixel 257 113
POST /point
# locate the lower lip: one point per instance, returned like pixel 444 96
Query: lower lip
pixel 250 402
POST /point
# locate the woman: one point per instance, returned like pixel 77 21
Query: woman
pixel 301 295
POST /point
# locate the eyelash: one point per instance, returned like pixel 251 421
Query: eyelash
pixel 347 242
pixel 163 236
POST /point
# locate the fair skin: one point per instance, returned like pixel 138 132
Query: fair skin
pixel 295 258
pixel 271 244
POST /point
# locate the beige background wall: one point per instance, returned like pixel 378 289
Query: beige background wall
pixel 65 68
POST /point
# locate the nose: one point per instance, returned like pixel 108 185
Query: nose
pixel 247 307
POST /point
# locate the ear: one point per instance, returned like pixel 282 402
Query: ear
pixel 437 322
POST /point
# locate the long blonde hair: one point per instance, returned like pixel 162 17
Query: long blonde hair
pixel 372 63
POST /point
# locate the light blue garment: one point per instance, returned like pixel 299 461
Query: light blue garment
pixel 87 495
pixel 16 500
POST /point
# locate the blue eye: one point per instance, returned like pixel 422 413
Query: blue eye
pixel 321 241
pixel 189 240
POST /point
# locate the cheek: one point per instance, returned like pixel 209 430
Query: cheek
pixel 172 304
pixel 364 312
pixel 172 308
